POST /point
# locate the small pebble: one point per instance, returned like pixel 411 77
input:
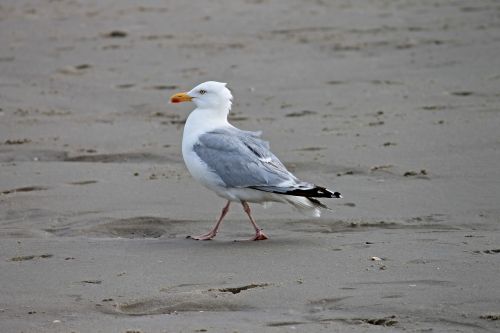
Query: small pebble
pixel 116 34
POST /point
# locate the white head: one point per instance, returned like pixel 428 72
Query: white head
pixel 207 95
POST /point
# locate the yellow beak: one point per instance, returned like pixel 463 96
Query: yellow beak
pixel 180 97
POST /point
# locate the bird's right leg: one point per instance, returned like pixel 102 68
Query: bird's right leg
pixel 259 234
pixel 213 232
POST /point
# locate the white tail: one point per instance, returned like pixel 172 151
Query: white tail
pixel 304 205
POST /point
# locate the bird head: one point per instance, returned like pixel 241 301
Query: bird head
pixel 207 95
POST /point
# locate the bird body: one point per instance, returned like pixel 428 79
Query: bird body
pixel 236 164
pixel 195 126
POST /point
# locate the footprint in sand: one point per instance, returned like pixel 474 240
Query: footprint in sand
pixel 214 300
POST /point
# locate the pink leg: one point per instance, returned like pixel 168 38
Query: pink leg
pixel 259 235
pixel 213 232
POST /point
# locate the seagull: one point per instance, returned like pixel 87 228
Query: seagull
pixel 237 164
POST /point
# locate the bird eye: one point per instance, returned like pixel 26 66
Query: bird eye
pixel 202 92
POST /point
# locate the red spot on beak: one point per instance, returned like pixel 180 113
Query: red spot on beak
pixel 180 97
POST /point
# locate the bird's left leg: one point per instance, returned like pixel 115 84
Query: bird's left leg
pixel 211 234
pixel 259 235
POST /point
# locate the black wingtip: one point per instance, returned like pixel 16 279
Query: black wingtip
pixel 318 203
pixel 316 192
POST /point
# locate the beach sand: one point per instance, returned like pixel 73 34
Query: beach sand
pixel 395 104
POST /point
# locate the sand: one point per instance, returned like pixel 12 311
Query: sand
pixel 395 104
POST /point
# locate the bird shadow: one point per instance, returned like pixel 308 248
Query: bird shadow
pixel 239 242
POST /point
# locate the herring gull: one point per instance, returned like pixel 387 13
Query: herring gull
pixel 236 164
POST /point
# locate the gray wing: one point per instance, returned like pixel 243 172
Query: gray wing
pixel 242 159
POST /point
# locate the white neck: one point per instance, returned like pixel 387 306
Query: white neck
pixel 219 113
pixel 203 120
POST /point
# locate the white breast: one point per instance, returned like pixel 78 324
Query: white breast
pixel 199 122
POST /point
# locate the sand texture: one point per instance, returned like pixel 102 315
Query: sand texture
pixel 395 104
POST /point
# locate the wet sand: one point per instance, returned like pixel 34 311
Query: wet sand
pixel 395 104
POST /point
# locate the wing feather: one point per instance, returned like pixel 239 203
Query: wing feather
pixel 241 159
